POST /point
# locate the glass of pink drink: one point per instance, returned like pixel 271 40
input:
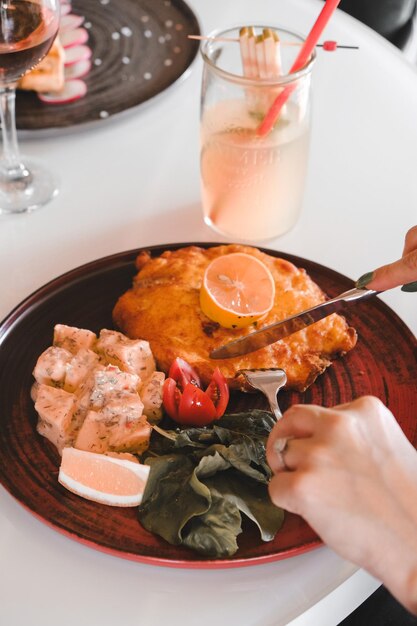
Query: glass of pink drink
pixel 252 185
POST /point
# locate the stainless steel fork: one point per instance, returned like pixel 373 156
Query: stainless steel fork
pixel 269 382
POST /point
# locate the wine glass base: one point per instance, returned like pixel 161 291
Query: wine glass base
pixel 22 196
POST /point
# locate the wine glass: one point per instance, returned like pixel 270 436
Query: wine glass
pixel 27 31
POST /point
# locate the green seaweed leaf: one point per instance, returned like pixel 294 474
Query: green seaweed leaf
pixel 245 456
pixel 252 499
pixel 202 479
pixel 214 532
pixel 171 497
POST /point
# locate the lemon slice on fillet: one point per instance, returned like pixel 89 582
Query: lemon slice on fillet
pixel 237 290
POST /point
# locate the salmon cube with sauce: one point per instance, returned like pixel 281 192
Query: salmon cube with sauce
pixel 122 408
pixel 97 434
pixel 151 395
pixel 130 355
pixel 120 412
pixel 79 368
pixel 73 339
pixel 51 366
pixel 93 434
pixel 130 436
pixel 85 390
pixel 110 381
pixel 56 409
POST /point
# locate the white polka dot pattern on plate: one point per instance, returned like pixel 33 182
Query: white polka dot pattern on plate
pixel 141 46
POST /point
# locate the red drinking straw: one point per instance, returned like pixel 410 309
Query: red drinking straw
pixel 302 58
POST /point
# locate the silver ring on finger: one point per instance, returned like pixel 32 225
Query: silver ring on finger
pixel 280 447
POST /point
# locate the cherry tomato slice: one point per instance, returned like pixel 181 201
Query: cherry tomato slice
pixel 183 373
pixel 185 401
pixel 195 408
pixel 171 397
pixel 218 392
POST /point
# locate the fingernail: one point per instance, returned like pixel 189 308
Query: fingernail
pixel 409 287
pixel 364 280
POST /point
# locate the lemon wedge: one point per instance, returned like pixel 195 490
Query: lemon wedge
pixel 115 479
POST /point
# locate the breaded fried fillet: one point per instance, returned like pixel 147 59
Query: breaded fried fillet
pixel 163 308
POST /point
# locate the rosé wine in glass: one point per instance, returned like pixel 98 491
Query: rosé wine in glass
pixel 27 31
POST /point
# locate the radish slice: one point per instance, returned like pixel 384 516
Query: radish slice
pixel 73 90
pixel 77 70
pixel 69 22
pixel 75 54
pixel 74 37
pixel 65 9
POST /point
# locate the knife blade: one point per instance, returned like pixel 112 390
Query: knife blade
pixel 279 330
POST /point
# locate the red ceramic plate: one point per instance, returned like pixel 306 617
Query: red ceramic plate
pixel 383 363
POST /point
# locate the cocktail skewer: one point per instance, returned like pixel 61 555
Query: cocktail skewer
pixel 329 46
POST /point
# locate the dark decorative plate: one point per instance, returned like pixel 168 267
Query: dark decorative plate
pixel 140 47
pixel 383 363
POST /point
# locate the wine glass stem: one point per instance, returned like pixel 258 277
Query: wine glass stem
pixel 13 168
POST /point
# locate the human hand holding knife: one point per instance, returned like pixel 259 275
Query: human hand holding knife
pixel 382 279
pixel 273 332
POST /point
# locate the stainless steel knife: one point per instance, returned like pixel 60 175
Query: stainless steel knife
pixel 279 330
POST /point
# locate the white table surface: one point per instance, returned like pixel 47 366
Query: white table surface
pixel 133 181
